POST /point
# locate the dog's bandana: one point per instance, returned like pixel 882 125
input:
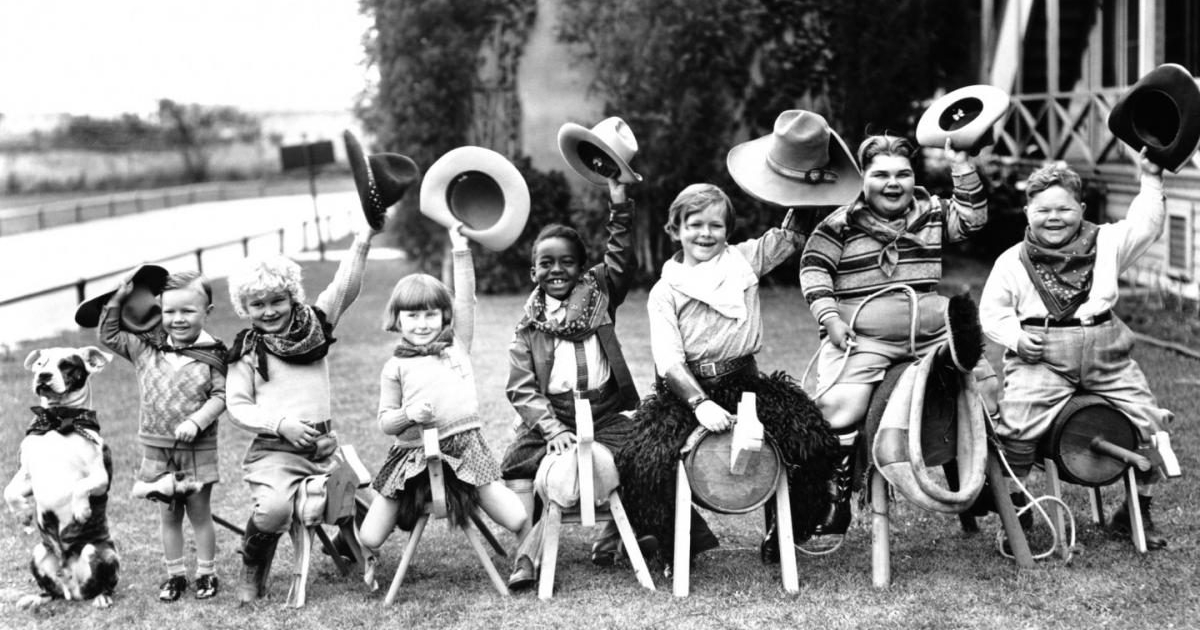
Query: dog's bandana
pixel 64 420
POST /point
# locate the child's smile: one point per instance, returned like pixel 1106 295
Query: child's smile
pixel 888 185
pixel 420 327
pixel 183 313
pixel 703 234
pixel 270 312
pixel 556 267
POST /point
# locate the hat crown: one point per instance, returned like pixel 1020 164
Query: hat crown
pixel 618 136
pixel 799 143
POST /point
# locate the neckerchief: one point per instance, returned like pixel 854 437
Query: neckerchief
pixel 306 340
pixel 862 217
pixel 587 310
pixel 1062 275
pixel 207 349
pixel 64 420
pixel 405 349
pixel 720 282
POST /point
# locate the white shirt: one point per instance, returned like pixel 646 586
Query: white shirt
pixel 1009 295
pixel 563 373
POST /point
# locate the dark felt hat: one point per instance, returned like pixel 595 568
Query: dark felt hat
pixel 141 311
pixel 1161 112
pixel 381 178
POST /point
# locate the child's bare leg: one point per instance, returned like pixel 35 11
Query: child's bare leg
pixel 523 488
pixel 503 506
pixel 199 509
pixel 171 527
pixel 377 525
pixel 845 404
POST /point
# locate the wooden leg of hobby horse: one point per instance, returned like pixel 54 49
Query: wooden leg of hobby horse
pixel 881 545
pixel 683 532
pixel 553 527
pixel 1008 516
pixel 617 509
pixel 787 544
pixel 410 550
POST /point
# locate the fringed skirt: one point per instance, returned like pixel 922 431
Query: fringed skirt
pixel 648 464
pixel 467 463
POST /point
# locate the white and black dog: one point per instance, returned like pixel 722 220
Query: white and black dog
pixel 64 479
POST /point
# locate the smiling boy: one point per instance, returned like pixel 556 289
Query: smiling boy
pixel 1049 302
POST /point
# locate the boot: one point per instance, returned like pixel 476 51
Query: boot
pixel 258 551
pixel 1121 524
pixel 831 531
pixel 768 550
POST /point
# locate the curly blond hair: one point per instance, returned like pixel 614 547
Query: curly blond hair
pixel 257 276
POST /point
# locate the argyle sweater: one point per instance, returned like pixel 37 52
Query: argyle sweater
pixel 841 260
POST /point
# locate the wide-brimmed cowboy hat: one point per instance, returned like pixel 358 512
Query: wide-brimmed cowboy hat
pixel 1161 112
pixel 140 312
pixel 381 179
pixel 965 116
pixel 803 163
pixel 481 189
pixel 557 477
pixel 600 153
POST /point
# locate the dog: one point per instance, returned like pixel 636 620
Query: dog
pixel 63 481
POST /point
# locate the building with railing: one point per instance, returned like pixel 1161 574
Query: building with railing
pixel 1066 63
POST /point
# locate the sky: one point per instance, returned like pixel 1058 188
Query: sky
pixel 105 57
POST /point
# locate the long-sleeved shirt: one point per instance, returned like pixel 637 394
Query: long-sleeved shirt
pixel 840 259
pixel 172 387
pixel 295 390
pixel 445 380
pixel 684 329
pixel 1009 295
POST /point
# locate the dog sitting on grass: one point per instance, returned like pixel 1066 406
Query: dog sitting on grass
pixel 63 481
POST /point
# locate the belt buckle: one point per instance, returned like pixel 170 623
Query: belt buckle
pixel 1087 321
pixel 708 370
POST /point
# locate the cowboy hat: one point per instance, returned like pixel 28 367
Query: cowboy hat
pixel 1161 112
pixel 600 153
pixel 965 116
pixel 141 311
pixel 802 163
pixel 557 477
pixel 381 179
pixel 481 189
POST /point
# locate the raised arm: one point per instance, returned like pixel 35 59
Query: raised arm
pixel 1143 224
pixel 346 283
pixel 464 288
pixel 620 259
pixel 966 213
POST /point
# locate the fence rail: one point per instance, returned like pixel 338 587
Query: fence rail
pixel 40 216
pixel 80 285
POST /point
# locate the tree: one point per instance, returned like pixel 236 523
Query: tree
pixel 194 129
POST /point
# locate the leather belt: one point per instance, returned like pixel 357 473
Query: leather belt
pixel 1044 322
pixel 713 369
pixel 323 427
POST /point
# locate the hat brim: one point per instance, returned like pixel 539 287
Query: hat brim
pixel 747 164
pixel 569 137
pixel 141 311
pixel 495 225
pixel 357 158
pixel 1168 82
pixel 972 135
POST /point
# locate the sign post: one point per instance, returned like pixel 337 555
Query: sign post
pixel 309 155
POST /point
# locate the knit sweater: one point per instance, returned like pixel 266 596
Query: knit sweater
pixel 295 390
pixel 840 259
pixel 445 380
pixel 172 388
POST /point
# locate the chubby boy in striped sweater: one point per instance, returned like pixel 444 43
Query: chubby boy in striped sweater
pixel 858 267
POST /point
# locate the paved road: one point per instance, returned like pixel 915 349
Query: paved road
pixel 34 261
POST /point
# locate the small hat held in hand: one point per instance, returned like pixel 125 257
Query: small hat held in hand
pixel 381 179
pixel 141 311
pixel 965 116
pixel 1161 112
pixel 600 153
pixel 481 189
pixel 803 163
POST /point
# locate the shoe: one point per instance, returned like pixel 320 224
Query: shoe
pixel 258 551
pixel 1121 527
pixel 372 563
pixel 604 551
pixel 523 576
pixel 173 588
pixel 830 532
pixel 768 550
pixel 207 586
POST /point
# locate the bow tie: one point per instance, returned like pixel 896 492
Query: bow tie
pixel 64 420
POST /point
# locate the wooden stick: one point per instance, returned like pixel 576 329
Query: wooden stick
pixel 683 532
pixel 787 546
pixel 881 545
pixel 410 550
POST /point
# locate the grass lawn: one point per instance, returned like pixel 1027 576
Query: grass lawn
pixel 941 578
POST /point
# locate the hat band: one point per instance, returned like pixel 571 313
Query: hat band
pixel 812 176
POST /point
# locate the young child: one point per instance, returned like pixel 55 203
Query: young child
pixel 1048 301
pixel 181 379
pixel 891 236
pixel 705 328
pixel 566 342
pixel 278 389
pixel 429 383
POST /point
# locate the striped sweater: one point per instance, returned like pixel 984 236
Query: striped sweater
pixel 841 260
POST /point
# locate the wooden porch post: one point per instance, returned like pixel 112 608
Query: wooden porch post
pixel 987 10
pixel 1052 65
pixel 1147 36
